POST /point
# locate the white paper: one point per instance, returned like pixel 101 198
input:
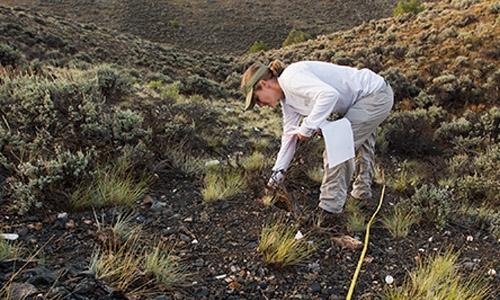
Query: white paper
pixel 339 141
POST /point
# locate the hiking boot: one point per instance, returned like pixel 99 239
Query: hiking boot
pixel 324 219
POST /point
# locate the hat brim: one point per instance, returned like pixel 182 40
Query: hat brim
pixel 249 101
pixel 247 89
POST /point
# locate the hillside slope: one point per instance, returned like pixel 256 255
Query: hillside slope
pixel 79 101
pixel 219 26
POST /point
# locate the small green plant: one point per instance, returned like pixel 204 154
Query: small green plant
pixel 268 200
pixel 9 249
pixel 160 264
pixel 295 37
pixel 356 220
pixel 412 6
pixel 257 47
pixel 220 183
pixel 155 84
pixel 114 186
pixel 400 220
pixel 280 246
pixel 174 24
pixel 254 162
pixel 439 279
pixel 120 266
pixel 406 179
pixel 316 174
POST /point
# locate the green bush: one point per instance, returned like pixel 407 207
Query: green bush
pixel 470 133
pixel 409 132
pixel 412 6
pixel 257 47
pixel 434 204
pixel 403 88
pixel 197 85
pixel 295 37
pixel 52 127
pixel 9 56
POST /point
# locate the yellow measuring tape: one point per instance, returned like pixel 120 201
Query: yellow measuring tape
pixel 365 246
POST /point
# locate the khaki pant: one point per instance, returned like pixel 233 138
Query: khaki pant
pixel 365 116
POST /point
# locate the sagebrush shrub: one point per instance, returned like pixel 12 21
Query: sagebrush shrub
pixel 403 88
pixel 112 83
pixel 9 56
pixel 52 127
pixel 434 204
pixel 197 85
pixel 476 176
pixel 409 132
pixel 471 132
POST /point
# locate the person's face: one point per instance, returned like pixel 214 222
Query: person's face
pixel 267 95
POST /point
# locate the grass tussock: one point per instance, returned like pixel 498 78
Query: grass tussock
pixel 220 183
pixel 114 186
pixel 9 249
pixel 439 279
pixel 356 220
pixel 399 221
pixel 279 245
pixel 129 264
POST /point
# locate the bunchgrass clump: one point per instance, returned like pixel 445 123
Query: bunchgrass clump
pixel 114 186
pixel 132 266
pixel 120 266
pixel 356 220
pixel 221 183
pixel 399 221
pixel 9 249
pixel 162 266
pixel 316 174
pixel 253 162
pixel 280 246
pixel 439 279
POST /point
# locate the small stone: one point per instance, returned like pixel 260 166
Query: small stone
pixel 62 215
pixel 315 288
pixel 389 279
pixel 70 225
pixel 470 238
pixel 21 290
pixel 492 272
pixel 147 200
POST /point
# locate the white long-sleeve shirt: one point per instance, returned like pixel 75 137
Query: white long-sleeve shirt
pixel 314 90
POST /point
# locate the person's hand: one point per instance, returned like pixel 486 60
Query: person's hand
pixel 270 190
pixel 304 138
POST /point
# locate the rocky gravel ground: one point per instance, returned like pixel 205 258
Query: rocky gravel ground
pixel 216 244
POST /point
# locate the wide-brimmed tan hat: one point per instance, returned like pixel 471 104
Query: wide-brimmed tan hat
pixel 247 88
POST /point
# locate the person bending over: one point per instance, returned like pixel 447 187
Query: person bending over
pixel 309 92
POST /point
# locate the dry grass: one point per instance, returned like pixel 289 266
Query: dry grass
pixel 279 245
pixel 440 279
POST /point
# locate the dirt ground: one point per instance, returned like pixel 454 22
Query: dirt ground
pixel 216 244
